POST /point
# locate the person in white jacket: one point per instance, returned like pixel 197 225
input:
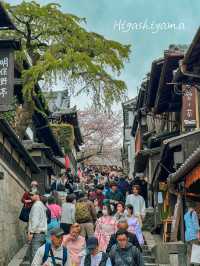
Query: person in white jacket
pixel 138 203
pixel 54 253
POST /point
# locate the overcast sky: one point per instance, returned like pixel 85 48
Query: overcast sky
pixel 118 20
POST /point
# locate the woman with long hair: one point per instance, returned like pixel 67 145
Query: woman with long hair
pixel 105 227
pixel 133 224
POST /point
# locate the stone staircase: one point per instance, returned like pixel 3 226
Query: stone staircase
pixel 149 259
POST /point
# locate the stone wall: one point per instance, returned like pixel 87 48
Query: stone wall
pixel 12 231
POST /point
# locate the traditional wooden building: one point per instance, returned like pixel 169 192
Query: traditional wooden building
pixel 17 169
pixel 180 164
pixel 128 151
pixel 66 127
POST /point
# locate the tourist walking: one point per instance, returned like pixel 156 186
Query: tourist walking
pixel 138 203
pixel 133 224
pixel 37 224
pixel 55 213
pixel 75 244
pixel 95 257
pixel 124 253
pixel 114 195
pixel 100 196
pixel 60 183
pixel 26 200
pixel 105 227
pixel 68 213
pixel 120 211
pixel 123 185
pixel 53 254
pixel 85 215
pixel 122 224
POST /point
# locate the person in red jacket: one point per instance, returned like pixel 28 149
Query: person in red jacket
pixel 100 196
pixel 26 199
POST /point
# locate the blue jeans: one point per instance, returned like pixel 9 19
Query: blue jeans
pixel 37 241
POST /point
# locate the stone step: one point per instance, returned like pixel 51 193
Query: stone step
pixel 146 252
pixel 25 263
pixel 149 259
pixel 18 258
pixel 151 264
pixel 147 247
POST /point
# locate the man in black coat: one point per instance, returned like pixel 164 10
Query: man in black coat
pixel 122 224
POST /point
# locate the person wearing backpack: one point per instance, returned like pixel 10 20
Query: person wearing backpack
pixel 94 257
pixel 124 253
pixel 54 254
pixel 55 212
pixel 85 215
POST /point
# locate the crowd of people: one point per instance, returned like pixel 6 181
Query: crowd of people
pixel 97 223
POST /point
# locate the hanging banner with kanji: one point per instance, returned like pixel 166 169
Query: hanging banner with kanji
pixel 189 107
pixel 6 79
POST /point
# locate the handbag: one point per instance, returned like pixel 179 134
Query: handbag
pixel 24 214
pixel 195 255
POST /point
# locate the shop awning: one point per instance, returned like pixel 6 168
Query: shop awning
pixel 192 177
pixel 166 99
pixel 187 170
pixel 142 157
pixel 156 140
pixel 165 168
pixel 189 72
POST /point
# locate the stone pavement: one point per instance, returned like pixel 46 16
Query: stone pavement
pixel 151 241
pixel 18 258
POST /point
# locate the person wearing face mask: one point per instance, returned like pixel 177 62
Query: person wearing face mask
pixel 105 227
pixel 120 211
pixel 75 244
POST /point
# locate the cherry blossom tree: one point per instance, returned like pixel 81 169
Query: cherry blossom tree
pixel 102 133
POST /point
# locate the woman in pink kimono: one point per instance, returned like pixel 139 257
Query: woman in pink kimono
pixel 105 227
pixel 133 224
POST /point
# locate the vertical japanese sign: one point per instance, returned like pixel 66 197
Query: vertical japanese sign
pixel 189 107
pixel 6 79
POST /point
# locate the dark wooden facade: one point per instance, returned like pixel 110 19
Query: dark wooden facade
pixel 15 155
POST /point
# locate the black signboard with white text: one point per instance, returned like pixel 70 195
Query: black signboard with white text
pixel 6 79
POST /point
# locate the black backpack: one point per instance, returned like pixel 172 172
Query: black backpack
pixel 49 250
pixel 104 258
pixel 48 214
